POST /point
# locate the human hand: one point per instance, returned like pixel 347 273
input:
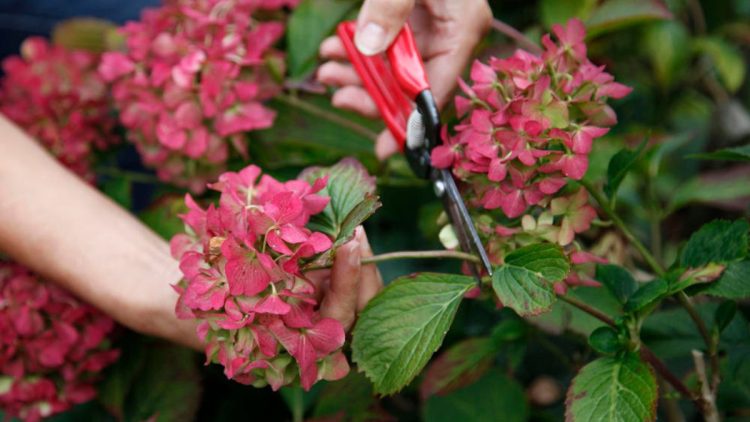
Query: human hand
pixel 347 287
pixel 445 31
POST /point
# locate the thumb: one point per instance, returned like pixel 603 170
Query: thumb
pixel 378 24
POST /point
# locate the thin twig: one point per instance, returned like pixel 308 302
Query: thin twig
pixel 710 413
pixel 331 117
pixel 439 254
pixel 516 35
pixel 589 310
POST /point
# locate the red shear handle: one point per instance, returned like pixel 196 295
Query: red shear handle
pixel 393 86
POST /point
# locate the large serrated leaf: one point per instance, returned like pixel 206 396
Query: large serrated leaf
pixel 620 389
pixel 400 329
pixel 522 290
pixel 352 193
pixel 310 23
pixel 495 397
pixel 617 280
pixel 734 283
pixel 545 259
pixel 719 241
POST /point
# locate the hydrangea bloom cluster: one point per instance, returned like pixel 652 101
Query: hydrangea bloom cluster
pixel 192 82
pixel 526 129
pixel 57 97
pixel 52 346
pixel 242 265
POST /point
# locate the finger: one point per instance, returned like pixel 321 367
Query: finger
pixel 333 49
pixel 379 22
pixel 447 59
pixel 338 74
pixel 385 145
pixel 355 98
pixel 340 302
pixel 370 280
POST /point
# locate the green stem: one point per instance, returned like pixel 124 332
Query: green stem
pixel 409 255
pixel 325 114
pixel 601 316
pixel 298 405
pixel 605 206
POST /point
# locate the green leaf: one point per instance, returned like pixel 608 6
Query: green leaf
pixel 461 365
pixel 724 315
pixel 119 190
pixel 163 216
pixel 616 14
pixel 152 380
pixel 560 11
pixel 617 279
pixel 699 190
pixel 734 283
pixel 523 283
pixel 351 398
pixel 307 126
pixel 90 34
pixel 522 290
pixel 666 45
pixel 720 241
pixel 728 154
pixel 545 259
pixel 353 200
pixel 646 295
pixel 620 389
pixel 619 166
pixel 726 58
pixel 400 329
pixel 605 340
pixel 565 317
pixel 492 398
pixel 310 23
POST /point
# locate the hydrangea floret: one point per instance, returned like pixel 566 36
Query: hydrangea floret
pixel 52 346
pixel 242 263
pixel 527 125
pixel 192 81
pixel 57 96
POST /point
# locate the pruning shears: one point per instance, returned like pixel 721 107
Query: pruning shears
pixel 397 82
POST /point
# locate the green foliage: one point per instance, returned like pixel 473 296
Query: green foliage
pixel 119 189
pixel 666 44
pixel 619 166
pixel 702 191
pixel 616 14
pixel 733 283
pixel 523 282
pixel 492 397
pixel 400 329
pixel 647 295
pixel 351 397
pixel 310 23
pixel 720 241
pixel 458 366
pixel 618 280
pixel 727 154
pixel 353 200
pixel 152 380
pixel 559 11
pixel 726 58
pixel 620 388
pixel 605 340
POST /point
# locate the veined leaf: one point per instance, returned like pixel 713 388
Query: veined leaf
pixel 647 294
pixel 619 166
pixel 719 241
pixel 617 279
pixel 400 329
pixel 620 389
pixel 353 200
pixel 546 259
pixel 734 283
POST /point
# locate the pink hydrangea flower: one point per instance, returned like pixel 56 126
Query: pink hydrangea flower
pixel 57 96
pixel 242 264
pixel 192 81
pixel 527 129
pixel 52 346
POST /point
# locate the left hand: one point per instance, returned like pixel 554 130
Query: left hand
pixel 348 285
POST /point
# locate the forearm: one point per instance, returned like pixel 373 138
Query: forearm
pixel 68 232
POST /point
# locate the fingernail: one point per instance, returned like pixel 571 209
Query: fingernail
pixel 354 254
pixel 370 39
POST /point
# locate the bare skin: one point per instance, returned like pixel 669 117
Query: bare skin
pixel 446 32
pixel 68 232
